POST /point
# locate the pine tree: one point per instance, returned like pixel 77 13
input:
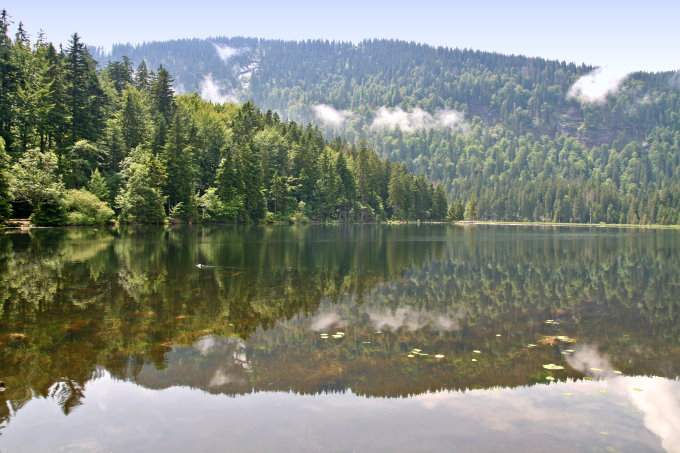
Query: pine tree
pixel 97 186
pixel 5 207
pixel 439 204
pixel 162 96
pixel 84 94
pixel 471 208
pixel 9 79
pixel 177 158
pixel 142 77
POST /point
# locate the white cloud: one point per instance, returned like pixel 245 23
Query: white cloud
pixel 323 320
pixel 418 119
pixel 214 91
pixel 413 320
pixel 330 115
pixel 595 86
pixel 587 357
pixel 225 52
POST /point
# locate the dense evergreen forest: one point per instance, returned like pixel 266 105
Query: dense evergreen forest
pixel 81 145
pixel 507 131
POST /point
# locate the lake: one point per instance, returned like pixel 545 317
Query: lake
pixel 340 338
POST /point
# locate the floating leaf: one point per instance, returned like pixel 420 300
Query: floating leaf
pixel 411 355
pixel 550 378
pixel 531 345
pixel 596 369
pixel 474 360
pixel 617 372
pixel 439 356
pixel 604 433
pixel 568 394
pixel 477 351
pixel 588 378
pixel 496 389
pixel 637 389
pixel 336 336
pixel 603 391
pixel 498 335
pixel 378 331
pixel 416 350
pixel 569 350
pixel 552 366
pixel 366 342
pixel 339 333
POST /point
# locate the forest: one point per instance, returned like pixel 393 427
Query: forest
pixel 508 130
pixel 82 146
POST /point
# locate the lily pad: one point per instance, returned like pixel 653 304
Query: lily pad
pixel 416 350
pixel 474 360
pixel 411 355
pixel 496 389
pixel 531 345
pixel 568 394
pixel 439 356
pixel 498 335
pixel 477 351
pixel 595 369
pixel 603 391
pixel 637 389
pixel 552 366
pixel 617 372
pixel 550 378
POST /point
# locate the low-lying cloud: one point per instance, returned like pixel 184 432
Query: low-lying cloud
pixel 594 87
pixel 215 91
pixel 418 119
pixel 332 116
pixel 324 320
pixel 587 357
pixel 414 320
pixel 225 52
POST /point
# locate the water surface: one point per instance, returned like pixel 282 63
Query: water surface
pixel 340 338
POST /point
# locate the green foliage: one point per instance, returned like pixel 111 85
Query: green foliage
pixel 97 186
pixel 85 208
pixel 34 179
pixel 526 149
pixel 141 199
pixel 5 207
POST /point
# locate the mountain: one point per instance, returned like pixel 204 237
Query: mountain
pixel 531 139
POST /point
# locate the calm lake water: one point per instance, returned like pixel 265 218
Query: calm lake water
pixel 340 338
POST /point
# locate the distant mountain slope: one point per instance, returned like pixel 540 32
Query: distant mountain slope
pixel 530 138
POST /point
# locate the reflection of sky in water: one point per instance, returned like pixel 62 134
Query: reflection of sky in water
pixel 538 418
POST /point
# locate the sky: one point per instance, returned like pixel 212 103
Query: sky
pixel 623 35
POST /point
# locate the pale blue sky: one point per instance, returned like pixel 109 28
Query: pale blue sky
pixel 640 35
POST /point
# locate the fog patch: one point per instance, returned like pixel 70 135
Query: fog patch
pixel 324 321
pixel 414 320
pixel 418 119
pixel 205 345
pixel 594 87
pixel 332 116
pixel 587 357
pixel 225 52
pixel 215 91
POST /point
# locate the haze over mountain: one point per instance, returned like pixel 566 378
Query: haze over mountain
pixel 531 138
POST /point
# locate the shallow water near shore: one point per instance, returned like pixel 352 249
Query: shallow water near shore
pixel 340 338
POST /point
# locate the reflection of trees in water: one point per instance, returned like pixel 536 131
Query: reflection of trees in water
pixel 84 298
pixel 119 299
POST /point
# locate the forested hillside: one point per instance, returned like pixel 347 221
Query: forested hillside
pixel 80 145
pixel 526 137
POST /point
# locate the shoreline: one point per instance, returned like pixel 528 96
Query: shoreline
pixel 23 224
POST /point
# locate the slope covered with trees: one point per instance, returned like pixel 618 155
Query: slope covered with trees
pixel 514 132
pixel 80 145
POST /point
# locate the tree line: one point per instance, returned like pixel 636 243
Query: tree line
pixel 526 150
pixel 81 145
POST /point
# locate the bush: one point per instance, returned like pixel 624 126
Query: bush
pixel 84 208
